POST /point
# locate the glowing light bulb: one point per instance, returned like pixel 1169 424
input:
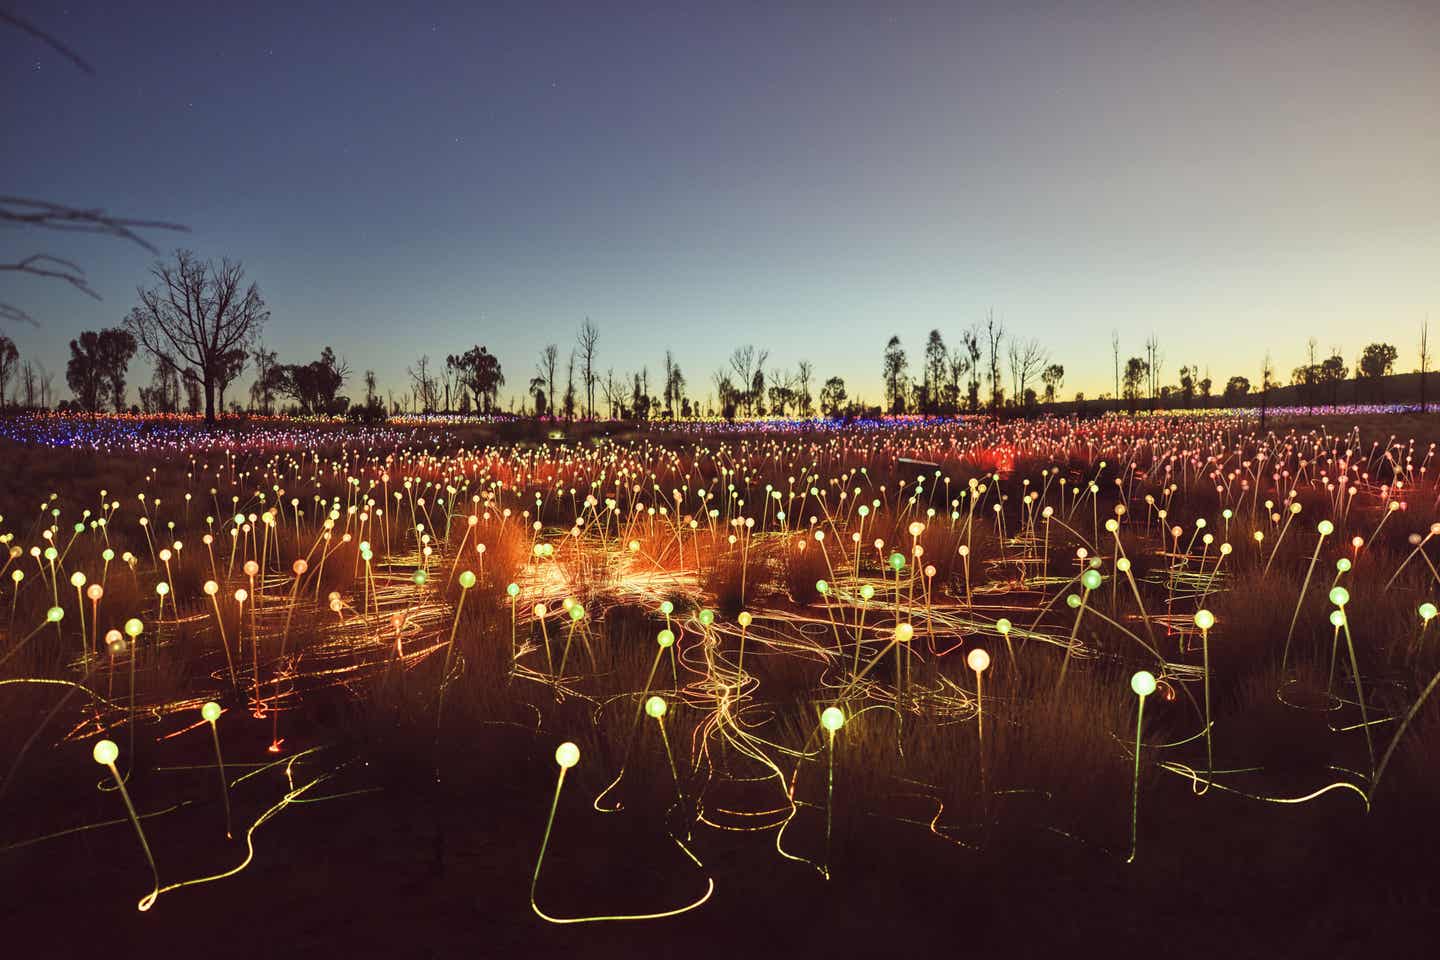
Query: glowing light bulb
pixel 744 619
pixel 665 637
pixel 1339 596
pixel 105 752
pixel 211 711
pixel 977 660
pixel 567 755
pixel 1427 611
pixel 1204 619
pixel 832 719
pixel 656 707
pixel 1091 580
pixel 1143 683
pixel 467 580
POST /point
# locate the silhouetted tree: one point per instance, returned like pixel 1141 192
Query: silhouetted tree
pixel 586 341
pixel 478 370
pixel 96 370
pixel 197 314
pixel 832 397
pixel 1376 362
pixel 1053 376
pixel 893 369
pixel 1136 370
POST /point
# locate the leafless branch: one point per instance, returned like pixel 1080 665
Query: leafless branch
pixel 26 26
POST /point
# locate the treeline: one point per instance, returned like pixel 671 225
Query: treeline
pixel 200 324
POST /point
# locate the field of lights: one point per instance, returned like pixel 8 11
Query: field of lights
pixel 759 686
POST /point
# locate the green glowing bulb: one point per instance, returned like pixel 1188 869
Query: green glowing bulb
pixel 513 589
pixel 105 752
pixel 1337 619
pixel 867 592
pixel 821 587
pixel 419 578
pixel 745 619
pixel 567 755
pixel 707 616
pixel 666 607
pixel 1427 611
pixel 211 711
pixel 1091 580
pixel 1339 596
pixel 1204 619
pixel 1073 601
pixel 133 627
pixel 1343 564
pixel 897 561
pixel 665 637
pixel 1003 625
pixel 577 611
pixel 832 719
pixel 1143 683
pixel 55 614
pixel 656 707
pixel 1325 527
pixel 467 580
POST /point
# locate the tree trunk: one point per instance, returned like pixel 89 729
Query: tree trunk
pixel 209 400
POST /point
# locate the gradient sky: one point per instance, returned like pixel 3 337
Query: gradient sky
pixel 415 178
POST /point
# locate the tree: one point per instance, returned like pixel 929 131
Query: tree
pixel 586 341
pixel 832 397
pixel 478 370
pixel 1027 359
pixel 1154 361
pixel 197 314
pixel 96 371
pixel 971 339
pixel 1136 370
pixel 1424 359
pixel 570 389
pixel 537 392
pixel 805 403
pixel 1115 349
pixel 163 394
pixel 1334 371
pixel 1376 361
pixel 894 372
pixel 934 373
pixel 9 359
pixel 423 385
pixel 1235 390
pixel 315 385
pixel 994 334
pixel 545 369
pixel 1053 376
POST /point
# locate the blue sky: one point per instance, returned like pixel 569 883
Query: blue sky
pixel 811 178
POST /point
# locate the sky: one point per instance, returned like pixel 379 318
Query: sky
pixel 406 179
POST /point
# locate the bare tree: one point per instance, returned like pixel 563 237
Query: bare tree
pixel 586 340
pixel 545 369
pixel 1424 359
pixel 994 334
pixel 1027 359
pixel 804 373
pixel 198 313
pixel 424 386
pixel 1115 349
